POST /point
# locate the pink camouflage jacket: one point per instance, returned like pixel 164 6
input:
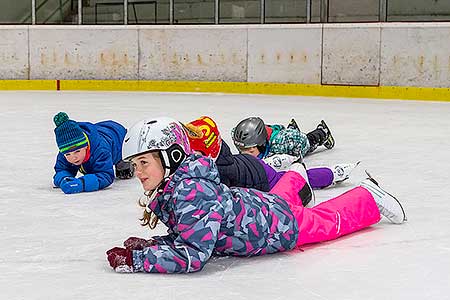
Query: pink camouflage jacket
pixel 205 218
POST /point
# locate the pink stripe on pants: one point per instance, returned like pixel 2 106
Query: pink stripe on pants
pixel 347 213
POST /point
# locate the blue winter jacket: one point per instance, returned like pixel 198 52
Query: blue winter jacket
pixel 105 143
pixel 205 217
pixel 241 170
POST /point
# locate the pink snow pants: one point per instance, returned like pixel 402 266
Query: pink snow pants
pixel 347 213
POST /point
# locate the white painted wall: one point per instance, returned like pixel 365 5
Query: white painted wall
pixel 351 54
pixel 415 55
pixel 390 54
pixel 280 54
pixel 13 52
pixel 80 52
pixel 198 53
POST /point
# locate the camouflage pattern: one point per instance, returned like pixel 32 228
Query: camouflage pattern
pixel 288 141
pixel 205 218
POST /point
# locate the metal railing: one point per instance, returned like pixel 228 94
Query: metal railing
pixel 155 10
pixel 125 4
pixel 35 9
pixel 133 5
pixel 58 9
pixel 382 14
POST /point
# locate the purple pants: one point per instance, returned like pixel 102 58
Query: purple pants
pixel 318 177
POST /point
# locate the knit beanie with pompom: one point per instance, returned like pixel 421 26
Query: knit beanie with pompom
pixel 69 135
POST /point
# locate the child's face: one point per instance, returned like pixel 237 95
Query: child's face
pixel 251 150
pixel 148 170
pixel 76 157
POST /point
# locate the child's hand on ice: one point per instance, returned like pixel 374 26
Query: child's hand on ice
pixel 71 185
pixel 120 259
pixel 135 243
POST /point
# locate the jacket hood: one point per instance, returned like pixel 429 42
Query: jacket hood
pixel 225 157
pixel 91 132
pixel 194 167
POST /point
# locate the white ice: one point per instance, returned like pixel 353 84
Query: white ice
pixel 52 245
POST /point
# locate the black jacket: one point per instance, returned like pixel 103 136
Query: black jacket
pixel 241 170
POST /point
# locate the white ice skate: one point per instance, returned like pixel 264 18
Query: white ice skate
pixel 307 193
pixel 388 205
pixel 341 172
pixel 281 162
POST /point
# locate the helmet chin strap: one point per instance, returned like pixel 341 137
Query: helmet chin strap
pixel 165 161
pixel 150 200
pixel 166 164
pixel 158 189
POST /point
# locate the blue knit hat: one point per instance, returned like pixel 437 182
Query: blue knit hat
pixel 69 135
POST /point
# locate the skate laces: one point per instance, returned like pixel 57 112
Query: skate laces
pixel 342 172
pixel 378 194
pixel 371 178
pixel 329 141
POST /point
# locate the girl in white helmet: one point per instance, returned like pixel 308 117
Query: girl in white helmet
pixel 205 217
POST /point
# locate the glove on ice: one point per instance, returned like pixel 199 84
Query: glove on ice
pixel 71 185
pixel 120 259
pixel 135 243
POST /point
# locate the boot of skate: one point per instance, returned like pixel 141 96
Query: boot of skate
pixel 293 125
pixel 281 162
pixel 387 204
pixel 306 194
pixel 341 172
pixel 329 139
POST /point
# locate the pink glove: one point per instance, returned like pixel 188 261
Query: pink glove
pixel 120 259
pixel 135 243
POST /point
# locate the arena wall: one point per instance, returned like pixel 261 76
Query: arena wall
pixel 376 54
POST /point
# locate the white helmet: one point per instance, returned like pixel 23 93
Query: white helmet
pixel 164 135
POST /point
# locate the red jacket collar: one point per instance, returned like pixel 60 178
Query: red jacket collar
pixel 269 132
pixel 88 153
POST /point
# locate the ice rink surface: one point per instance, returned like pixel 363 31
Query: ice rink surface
pixel 52 246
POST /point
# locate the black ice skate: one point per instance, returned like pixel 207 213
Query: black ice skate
pixel 124 170
pixel 293 125
pixel 329 141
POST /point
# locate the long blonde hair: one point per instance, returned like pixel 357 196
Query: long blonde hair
pixel 149 218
